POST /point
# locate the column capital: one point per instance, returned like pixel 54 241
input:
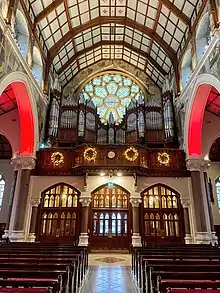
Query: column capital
pixel 185 202
pixel 135 201
pixel 23 162
pixel 197 164
pixel 85 201
pixel 35 202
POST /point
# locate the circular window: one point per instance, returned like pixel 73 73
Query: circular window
pixel 112 93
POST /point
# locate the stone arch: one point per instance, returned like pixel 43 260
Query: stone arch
pixel 195 112
pixel 27 109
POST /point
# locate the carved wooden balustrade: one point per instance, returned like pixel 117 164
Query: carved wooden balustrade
pixel 93 159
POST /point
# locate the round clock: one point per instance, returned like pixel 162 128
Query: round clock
pixel 111 155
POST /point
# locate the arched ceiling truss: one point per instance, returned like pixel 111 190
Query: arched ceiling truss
pixel 148 33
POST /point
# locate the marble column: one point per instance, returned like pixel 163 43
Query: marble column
pixel 34 210
pixel 188 236
pixel 84 237
pixel 23 165
pixel 198 168
pixel 136 238
pixel 11 199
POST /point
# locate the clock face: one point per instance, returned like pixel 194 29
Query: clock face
pixel 111 155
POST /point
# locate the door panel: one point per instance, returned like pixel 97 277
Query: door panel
pixel 161 214
pixel 59 214
pixel 110 219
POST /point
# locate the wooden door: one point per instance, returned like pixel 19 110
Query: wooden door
pixel 162 216
pixel 110 218
pixel 59 215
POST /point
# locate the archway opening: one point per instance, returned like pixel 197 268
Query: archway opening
pixel 186 68
pixel 15 97
pixel 21 32
pixel 207 98
pixel 59 214
pixel 161 215
pixel 110 218
pixel 203 35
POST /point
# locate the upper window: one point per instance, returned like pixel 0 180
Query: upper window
pixel 217 186
pixel 2 189
pixel 112 93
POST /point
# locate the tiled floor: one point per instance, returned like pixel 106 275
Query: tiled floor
pixel 113 279
pixel 109 273
pixel 109 259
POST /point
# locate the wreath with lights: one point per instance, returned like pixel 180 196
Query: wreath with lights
pixel 131 154
pixel 57 158
pixel 163 158
pixel 90 154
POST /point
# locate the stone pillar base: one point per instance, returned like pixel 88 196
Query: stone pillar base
pixel 83 239
pixel 188 239
pixel 214 238
pixel 17 236
pixel 6 234
pixel 203 238
pixel 31 237
pixel 136 240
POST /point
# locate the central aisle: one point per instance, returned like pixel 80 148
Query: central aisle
pixel 109 274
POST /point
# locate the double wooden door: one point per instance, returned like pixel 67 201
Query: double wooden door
pixel 59 214
pixel 110 219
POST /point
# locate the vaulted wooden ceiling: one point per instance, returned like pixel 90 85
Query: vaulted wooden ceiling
pixel 150 34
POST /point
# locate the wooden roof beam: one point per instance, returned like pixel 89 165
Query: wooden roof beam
pixel 176 11
pixel 117 43
pixel 50 8
pixel 153 81
pixel 119 20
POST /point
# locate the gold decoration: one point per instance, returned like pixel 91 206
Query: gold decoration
pixel 131 154
pixel 90 154
pixel 57 158
pixel 163 158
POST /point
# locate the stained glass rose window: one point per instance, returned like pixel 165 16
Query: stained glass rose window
pixel 112 93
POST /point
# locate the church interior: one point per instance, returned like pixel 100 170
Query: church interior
pixel 109 144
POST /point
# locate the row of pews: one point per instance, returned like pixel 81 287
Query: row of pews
pixel 177 269
pixel 38 268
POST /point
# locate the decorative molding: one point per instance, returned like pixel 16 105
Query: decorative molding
pixel 23 163
pixel 188 239
pixel 83 239
pixel 35 202
pixel 31 237
pixel 17 236
pixel 185 203
pixel 135 202
pixel 85 201
pixel 197 164
pixel 203 238
pixel 136 240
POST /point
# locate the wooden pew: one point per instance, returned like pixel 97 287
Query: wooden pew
pixel 56 268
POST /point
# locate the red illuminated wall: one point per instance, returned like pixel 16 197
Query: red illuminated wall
pixel 196 120
pixel 26 118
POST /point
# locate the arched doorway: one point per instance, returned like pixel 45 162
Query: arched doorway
pixel 161 215
pixel 59 214
pixel 110 218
